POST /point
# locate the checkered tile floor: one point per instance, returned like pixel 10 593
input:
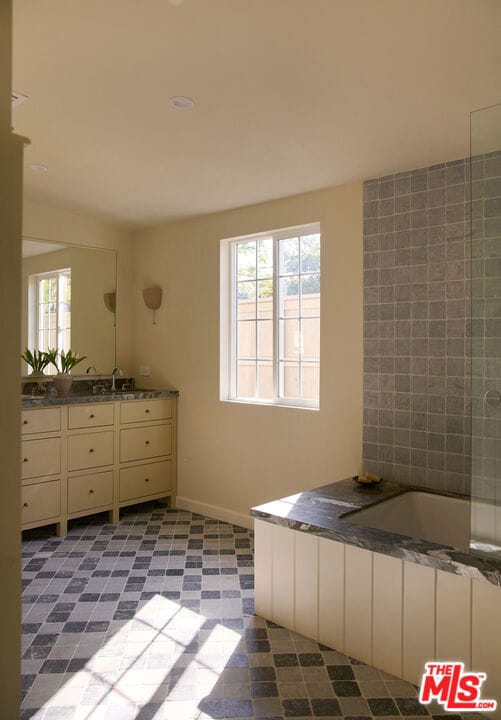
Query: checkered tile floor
pixel 153 620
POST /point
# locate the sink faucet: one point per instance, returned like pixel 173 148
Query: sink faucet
pixel 116 371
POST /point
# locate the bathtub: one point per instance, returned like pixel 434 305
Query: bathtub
pixel 384 603
pixel 436 518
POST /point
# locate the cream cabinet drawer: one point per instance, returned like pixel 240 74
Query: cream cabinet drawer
pixel 40 457
pixel 89 416
pixel 40 501
pixel 40 420
pixel 145 410
pixel 144 480
pixel 145 442
pixel 90 450
pixel 90 491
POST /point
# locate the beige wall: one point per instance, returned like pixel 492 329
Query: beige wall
pixel 232 456
pixel 45 222
pixel 10 423
pixel 93 273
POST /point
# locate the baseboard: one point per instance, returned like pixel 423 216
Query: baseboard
pixel 216 512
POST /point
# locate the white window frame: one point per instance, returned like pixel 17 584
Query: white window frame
pixel 228 317
pixel 34 304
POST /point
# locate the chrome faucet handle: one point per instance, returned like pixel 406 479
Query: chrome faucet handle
pixel 91 369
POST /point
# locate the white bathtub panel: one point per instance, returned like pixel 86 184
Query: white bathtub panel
pixel 453 618
pixel 331 593
pixel 263 567
pixel 486 650
pixel 387 614
pixel 306 585
pixel 358 603
pixel 418 620
pixel 283 576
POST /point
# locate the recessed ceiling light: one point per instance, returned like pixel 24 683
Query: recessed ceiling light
pixel 39 168
pixel 180 102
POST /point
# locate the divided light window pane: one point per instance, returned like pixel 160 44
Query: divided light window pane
pixel 275 323
pixel 50 319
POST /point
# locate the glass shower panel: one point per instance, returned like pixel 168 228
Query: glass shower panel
pixel 486 330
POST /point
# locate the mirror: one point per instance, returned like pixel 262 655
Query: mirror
pixel 69 300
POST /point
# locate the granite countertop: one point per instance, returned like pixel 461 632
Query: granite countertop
pixel 323 511
pixel 29 401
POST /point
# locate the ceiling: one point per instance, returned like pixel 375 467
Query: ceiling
pixel 32 248
pixel 290 96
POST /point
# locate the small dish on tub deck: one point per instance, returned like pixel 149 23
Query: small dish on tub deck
pixel 367 479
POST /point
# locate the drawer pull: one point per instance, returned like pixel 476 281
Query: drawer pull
pixel 25 422
pixel 25 504
pixel 25 459
pixel 147 442
pixel 91 492
pixel 146 411
pixel 146 479
pixel 91 416
pixel 91 450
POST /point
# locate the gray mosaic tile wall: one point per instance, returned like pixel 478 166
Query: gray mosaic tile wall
pixel 416 305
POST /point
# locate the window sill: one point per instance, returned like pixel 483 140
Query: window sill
pixel 254 403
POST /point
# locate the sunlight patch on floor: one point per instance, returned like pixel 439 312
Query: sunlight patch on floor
pixel 155 644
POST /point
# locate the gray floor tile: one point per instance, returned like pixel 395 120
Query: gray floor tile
pixel 153 620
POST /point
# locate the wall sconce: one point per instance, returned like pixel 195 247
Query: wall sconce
pixel 110 300
pixel 152 299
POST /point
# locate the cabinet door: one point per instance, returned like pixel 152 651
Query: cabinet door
pixel 143 480
pixel 89 416
pixel 90 491
pixel 145 410
pixel 145 442
pixel 40 420
pixel 40 457
pixel 40 501
pixel 90 450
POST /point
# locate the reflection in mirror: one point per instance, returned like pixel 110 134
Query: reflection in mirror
pixel 69 301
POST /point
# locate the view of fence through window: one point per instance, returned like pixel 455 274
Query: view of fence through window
pixel 277 301
pixel 53 310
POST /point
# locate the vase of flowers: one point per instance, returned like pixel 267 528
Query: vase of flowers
pixel 64 362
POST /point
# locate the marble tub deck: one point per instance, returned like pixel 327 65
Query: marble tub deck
pixel 323 512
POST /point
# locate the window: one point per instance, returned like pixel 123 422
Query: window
pixel 270 320
pixel 50 310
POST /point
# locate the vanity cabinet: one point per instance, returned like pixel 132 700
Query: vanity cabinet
pixel 81 459
pixel 147 459
pixel 144 480
pixel 90 450
pixel 42 420
pixel 41 467
pixel 86 492
pixel 40 457
pixel 91 416
pixel 41 503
